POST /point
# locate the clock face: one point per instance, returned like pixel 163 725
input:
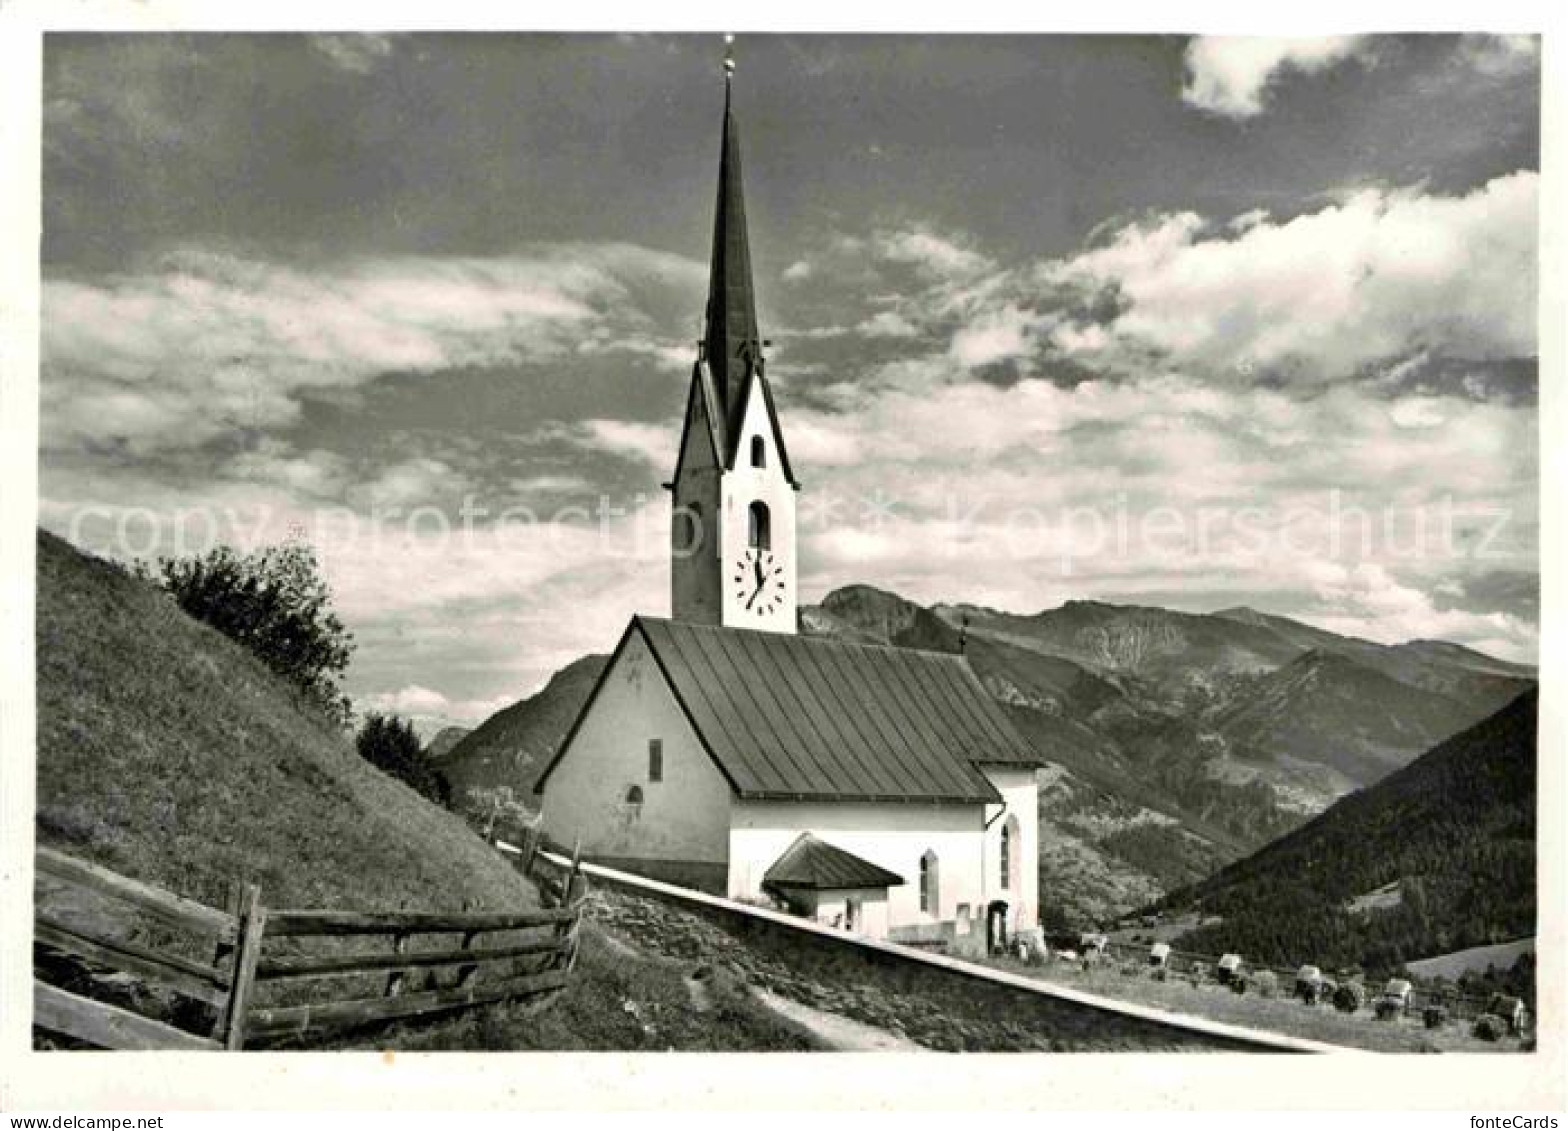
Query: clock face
pixel 759 582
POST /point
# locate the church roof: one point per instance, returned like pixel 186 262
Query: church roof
pixel 804 718
pixel 819 866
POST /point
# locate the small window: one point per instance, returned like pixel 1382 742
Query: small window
pixel 759 452
pixel 1006 854
pixel 655 759
pixel 759 532
pixel 634 795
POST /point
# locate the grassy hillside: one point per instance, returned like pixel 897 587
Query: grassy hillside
pixel 1455 830
pixel 169 753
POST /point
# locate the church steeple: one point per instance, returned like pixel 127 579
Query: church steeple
pixel 732 345
pixel 732 531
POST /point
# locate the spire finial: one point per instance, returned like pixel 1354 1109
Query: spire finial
pixel 729 56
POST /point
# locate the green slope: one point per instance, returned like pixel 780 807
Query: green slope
pixel 169 753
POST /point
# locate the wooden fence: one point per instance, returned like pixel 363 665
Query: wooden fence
pixel 266 975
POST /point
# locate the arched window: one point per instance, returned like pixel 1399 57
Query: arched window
pixel 759 452
pixel 634 795
pixel 930 881
pixel 759 528
pixel 1007 858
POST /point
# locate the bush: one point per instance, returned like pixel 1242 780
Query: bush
pixel 1267 983
pixel 275 603
pixel 1238 983
pixel 1198 973
pixel 390 744
pixel 1350 997
pixel 1434 1016
pixel 1490 1027
pixel 1388 1010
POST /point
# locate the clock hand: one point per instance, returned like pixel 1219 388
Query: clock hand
pixel 756 569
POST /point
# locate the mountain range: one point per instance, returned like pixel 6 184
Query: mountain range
pixel 1176 742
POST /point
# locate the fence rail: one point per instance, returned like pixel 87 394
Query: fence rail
pixel 148 933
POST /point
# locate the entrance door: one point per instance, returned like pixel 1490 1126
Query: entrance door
pixel 996 926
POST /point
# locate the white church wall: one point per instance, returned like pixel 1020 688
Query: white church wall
pixel 741 487
pixel 681 826
pixel 892 835
pixel 832 909
pixel 1021 802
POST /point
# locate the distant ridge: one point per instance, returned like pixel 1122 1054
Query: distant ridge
pixel 1454 829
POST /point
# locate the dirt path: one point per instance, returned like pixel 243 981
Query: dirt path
pixel 841 1034
pixel 837 1032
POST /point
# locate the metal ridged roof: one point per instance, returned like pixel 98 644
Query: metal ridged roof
pixel 807 718
pixel 819 866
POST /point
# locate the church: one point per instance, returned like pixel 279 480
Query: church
pixel 873 788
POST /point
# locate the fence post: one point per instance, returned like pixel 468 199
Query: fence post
pixel 466 974
pixel 252 926
pixel 224 951
pixel 530 848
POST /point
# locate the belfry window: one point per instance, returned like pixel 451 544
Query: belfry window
pixel 656 760
pixel 759 532
pixel 759 452
pixel 930 879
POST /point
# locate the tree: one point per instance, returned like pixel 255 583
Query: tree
pixel 495 811
pixel 390 744
pixel 274 602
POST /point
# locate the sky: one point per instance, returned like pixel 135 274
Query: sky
pixel 1195 322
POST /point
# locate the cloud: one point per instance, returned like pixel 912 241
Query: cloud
pixel 996 335
pixel 1383 274
pixel 358 53
pixel 317 474
pixel 427 706
pixel 1230 75
pixel 1016 497
pixel 410 484
pixel 798 271
pixel 888 324
pixel 468 610
pixel 930 253
pixel 202 345
pixel 1501 55
pixel 654 444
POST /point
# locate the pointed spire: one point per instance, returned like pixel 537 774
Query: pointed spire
pixel 732 344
